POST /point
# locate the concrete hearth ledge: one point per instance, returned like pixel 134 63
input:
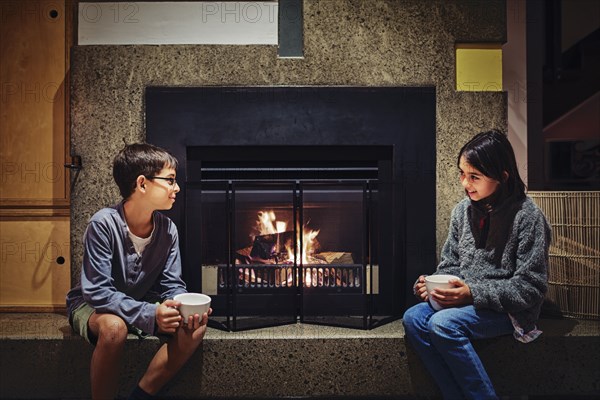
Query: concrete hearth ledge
pixel 42 358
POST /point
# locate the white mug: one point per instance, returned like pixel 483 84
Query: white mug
pixel 438 281
pixel 192 303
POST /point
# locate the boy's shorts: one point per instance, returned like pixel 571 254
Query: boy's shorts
pixel 79 322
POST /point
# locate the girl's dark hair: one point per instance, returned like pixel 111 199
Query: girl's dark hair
pixel 139 159
pixel 492 154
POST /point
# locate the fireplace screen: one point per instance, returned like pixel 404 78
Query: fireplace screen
pixel 295 244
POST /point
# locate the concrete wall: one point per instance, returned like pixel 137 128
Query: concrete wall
pixel 346 42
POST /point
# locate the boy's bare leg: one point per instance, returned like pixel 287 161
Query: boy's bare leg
pixel 171 357
pixel 111 332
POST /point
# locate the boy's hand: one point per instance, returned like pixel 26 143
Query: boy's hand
pixel 196 321
pixel 167 316
pixel 196 325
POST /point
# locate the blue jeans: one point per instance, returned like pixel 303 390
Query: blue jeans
pixel 443 341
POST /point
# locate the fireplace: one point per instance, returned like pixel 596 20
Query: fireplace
pixel 281 232
pixel 301 204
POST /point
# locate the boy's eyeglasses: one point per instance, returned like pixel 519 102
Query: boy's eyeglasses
pixel 170 181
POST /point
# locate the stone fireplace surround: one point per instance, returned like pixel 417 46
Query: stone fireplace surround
pixel 346 43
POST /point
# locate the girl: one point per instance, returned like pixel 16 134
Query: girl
pixel 498 247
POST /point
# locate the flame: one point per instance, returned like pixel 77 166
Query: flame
pixel 267 224
pixel 308 249
pixel 280 226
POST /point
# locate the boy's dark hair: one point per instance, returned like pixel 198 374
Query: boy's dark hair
pixel 139 159
pixel 491 153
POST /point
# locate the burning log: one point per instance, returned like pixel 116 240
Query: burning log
pixel 271 247
pixel 335 257
pixel 242 256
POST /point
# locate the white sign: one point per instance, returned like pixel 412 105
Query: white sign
pixel 222 22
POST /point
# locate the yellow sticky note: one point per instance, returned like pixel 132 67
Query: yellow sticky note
pixel 479 67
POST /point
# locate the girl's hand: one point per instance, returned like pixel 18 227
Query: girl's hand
pixel 167 316
pixel 419 289
pixel 459 295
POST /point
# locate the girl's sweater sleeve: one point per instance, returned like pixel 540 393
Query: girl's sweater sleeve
pixel 449 258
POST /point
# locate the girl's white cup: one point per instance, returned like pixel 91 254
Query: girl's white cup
pixel 192 303
pixel 438 281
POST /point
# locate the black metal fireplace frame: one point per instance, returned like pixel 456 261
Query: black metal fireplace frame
pixel 401 118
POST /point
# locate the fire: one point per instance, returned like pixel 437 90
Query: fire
pixel 310 244
pixel 268 224
pixel 268 261
pixel 274 244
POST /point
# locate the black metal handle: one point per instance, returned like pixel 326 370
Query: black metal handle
pixel 75 163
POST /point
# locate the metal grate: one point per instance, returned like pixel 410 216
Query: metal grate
pixel 324 277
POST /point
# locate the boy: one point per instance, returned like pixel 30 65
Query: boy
pixel 131 271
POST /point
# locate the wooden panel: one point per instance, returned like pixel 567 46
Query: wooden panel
pixel 32 273
pixel 33 50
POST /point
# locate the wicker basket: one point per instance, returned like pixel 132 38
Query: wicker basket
pixel 574 270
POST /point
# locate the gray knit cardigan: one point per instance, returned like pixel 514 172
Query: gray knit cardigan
pixel 517 286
